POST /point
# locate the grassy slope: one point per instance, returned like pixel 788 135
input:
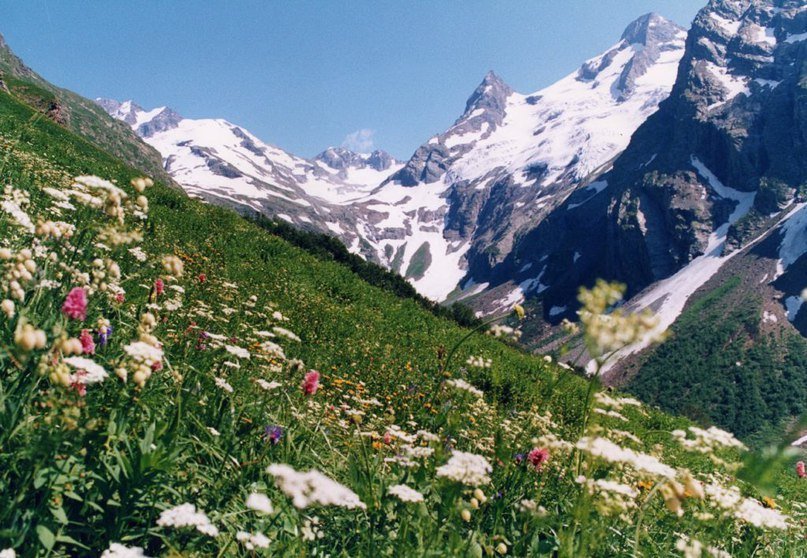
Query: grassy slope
pixel 350 331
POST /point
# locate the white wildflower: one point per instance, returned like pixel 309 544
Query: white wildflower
pixel 283 332
pixel 237 351
pixel 313 488
pixel 405 493
pixel 117 550
pixel 467 468
pixel 251 541
pixel 609 451
pixel 94 372
pixel 259 502
pixel 267 386
pixel 221 383
pixel 465 386
pixel 186 515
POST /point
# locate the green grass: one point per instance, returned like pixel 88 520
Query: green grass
pixel 79 472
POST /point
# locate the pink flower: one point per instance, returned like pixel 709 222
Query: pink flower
pixel 202 277
pixel 800 471
pixel 120 298
pixel 159 287
pixel 537 457
pixel 75 305
pixel 87 343
pixel 311 382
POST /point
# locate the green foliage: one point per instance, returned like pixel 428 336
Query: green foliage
pixel 710 371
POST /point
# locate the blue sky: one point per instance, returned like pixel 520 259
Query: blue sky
pixel 304 75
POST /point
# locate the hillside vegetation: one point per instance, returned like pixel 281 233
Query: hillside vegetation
pixel 176 381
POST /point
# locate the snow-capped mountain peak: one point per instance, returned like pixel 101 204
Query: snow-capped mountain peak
pixel 459 201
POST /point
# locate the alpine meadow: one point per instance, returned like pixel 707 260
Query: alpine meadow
pixel 571 325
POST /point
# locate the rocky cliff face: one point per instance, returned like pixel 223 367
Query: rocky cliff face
pixel 722 154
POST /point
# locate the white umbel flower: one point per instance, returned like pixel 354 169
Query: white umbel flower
pixel 8 553
pixel 313 488
pixel 117 550
pixel 467 468
pixel 611 452
pixel 237 351
pixel 259 502
pixel 186 515
pixel 221 383
pixel 405 493
pixel 251 541
pixel 94 372
pixel 465 386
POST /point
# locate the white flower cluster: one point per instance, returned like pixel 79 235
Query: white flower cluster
pixel 223 384
pixel 609 451
pixel 94 372
pixel 237 351
pixel 8 553
pixel 313 488
pixel 405 493
pixel 745 509
pixel 707 441
pixel 465 386
pixel 117 550
pixel 186 515
pixel 467 468
pixel 251 541
pixel 479 362
pixel 693 548
pixel 259 503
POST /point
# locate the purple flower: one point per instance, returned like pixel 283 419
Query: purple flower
pixel 103 335
pixel 273 434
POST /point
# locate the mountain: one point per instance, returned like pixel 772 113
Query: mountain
pixel 76 113
pixel 456 206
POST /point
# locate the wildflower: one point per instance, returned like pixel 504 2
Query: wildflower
pixel 93 372
pixel 800 470
pixel 117 550
pixel 159 287
pixel 259 503
pixel 104 333
pixel 465 386
pixel 267 386
pixel 87 343
pixel 405 493
pixel 251 541
pixel 465 515
pixel 283 332
pixel 311 382
pixel 501 548
pixel 29 338
pixel 186 515
pixel 173 266
pixel 537 457
pixel 221 383
pixel 313 488
pixel 8 553
pixel 75 305
pixel 609 451
pixel 237 351
pixel 7 307
pixel 467 468
pixel 273 434
pixel 201 278
pixel 693 548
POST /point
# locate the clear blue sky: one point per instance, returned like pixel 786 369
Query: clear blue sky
pixel 304 75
